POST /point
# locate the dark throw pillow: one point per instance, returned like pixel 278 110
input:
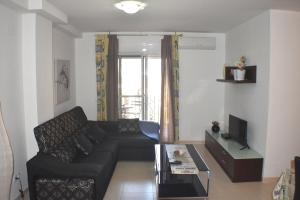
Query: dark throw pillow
pixel 66 151
pixel 297 178
pixel 92 138
pixel 130 126
pixel 95 133
pixel 83 144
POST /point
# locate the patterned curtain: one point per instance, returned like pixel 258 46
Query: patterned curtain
pixel 175 64
pixel 101 73
pixel 169 125
pixel 107 51
pixel 112 79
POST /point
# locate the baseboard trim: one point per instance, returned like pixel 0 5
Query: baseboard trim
pixel 270 179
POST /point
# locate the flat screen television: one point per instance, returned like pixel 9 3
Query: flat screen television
pixel 238 130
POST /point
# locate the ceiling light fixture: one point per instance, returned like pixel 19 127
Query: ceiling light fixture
pixel 130 7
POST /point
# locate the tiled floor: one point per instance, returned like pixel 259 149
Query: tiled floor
pixel 132 181
pixel 135 181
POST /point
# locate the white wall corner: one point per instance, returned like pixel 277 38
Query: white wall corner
pixel 29 81
pixel 48 10
pixel 69 29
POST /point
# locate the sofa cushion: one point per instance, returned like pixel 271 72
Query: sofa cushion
pixel 97 157
pixel 51 133
pixel 110 127
pixel 83 144
pixel 93 139
pixel 95 131
pixel 130 126
pixel 66 151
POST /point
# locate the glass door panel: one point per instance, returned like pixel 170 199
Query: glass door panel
pixel 132 92
pixel 153 89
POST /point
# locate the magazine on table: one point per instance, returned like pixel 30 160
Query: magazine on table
pixel 180 160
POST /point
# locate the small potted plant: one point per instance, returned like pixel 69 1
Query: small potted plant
pixel 239 73
pixel 215 127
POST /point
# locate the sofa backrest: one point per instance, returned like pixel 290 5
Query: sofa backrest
pixel 51 133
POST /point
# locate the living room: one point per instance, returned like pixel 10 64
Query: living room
pixel 34 34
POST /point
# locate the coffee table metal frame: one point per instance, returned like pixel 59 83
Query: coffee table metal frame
pixel 163 171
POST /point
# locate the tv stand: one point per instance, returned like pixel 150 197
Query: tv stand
pixel 245 147
pixel 240 166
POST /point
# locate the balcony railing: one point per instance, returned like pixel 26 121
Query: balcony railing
pixel 137 106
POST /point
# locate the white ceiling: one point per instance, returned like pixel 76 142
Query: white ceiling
pixel 168 15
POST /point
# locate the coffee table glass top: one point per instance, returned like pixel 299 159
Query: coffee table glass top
pixel 180 185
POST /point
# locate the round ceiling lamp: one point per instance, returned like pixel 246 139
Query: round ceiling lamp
pixel 130 7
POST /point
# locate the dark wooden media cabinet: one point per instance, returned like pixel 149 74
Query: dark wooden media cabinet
pixel 240 165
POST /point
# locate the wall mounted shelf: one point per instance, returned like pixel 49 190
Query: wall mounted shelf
pixel 250 76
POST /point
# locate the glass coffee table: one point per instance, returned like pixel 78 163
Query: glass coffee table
pixel 173 185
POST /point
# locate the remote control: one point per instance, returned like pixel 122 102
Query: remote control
pixel 176 162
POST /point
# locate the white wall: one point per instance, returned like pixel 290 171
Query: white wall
pixel 64 48
pixel 44 69
pixel 37 75
pixel 250 101
pixel 11 94
pixel 85 62
pixel 201 98
pixel 284 94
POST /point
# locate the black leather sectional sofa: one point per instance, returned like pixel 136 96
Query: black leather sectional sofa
pixel 61 170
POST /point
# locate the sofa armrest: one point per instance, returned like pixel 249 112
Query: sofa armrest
pixel 150 129
pixel 48 167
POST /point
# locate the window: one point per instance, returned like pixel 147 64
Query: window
pixel 140 86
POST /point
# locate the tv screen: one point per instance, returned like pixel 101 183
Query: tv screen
pixel 238 130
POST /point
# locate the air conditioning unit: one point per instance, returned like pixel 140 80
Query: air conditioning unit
pixel 197 43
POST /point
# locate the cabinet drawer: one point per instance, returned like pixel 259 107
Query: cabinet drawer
pixel 227 163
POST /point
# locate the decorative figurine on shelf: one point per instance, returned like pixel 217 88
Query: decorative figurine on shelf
pixel 239 73
pixel 241 63
pixel 215 127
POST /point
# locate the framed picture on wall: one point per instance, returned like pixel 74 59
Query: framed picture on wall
pixel 62 80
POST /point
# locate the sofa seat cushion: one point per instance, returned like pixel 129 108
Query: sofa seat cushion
pixel 132 140
pixel 96 157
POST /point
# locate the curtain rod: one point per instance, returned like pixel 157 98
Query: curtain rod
pixel 141 34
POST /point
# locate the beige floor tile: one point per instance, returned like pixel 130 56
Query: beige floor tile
pixel 114 190
pixel 138 186
pixel 112 195
pixel 137 196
